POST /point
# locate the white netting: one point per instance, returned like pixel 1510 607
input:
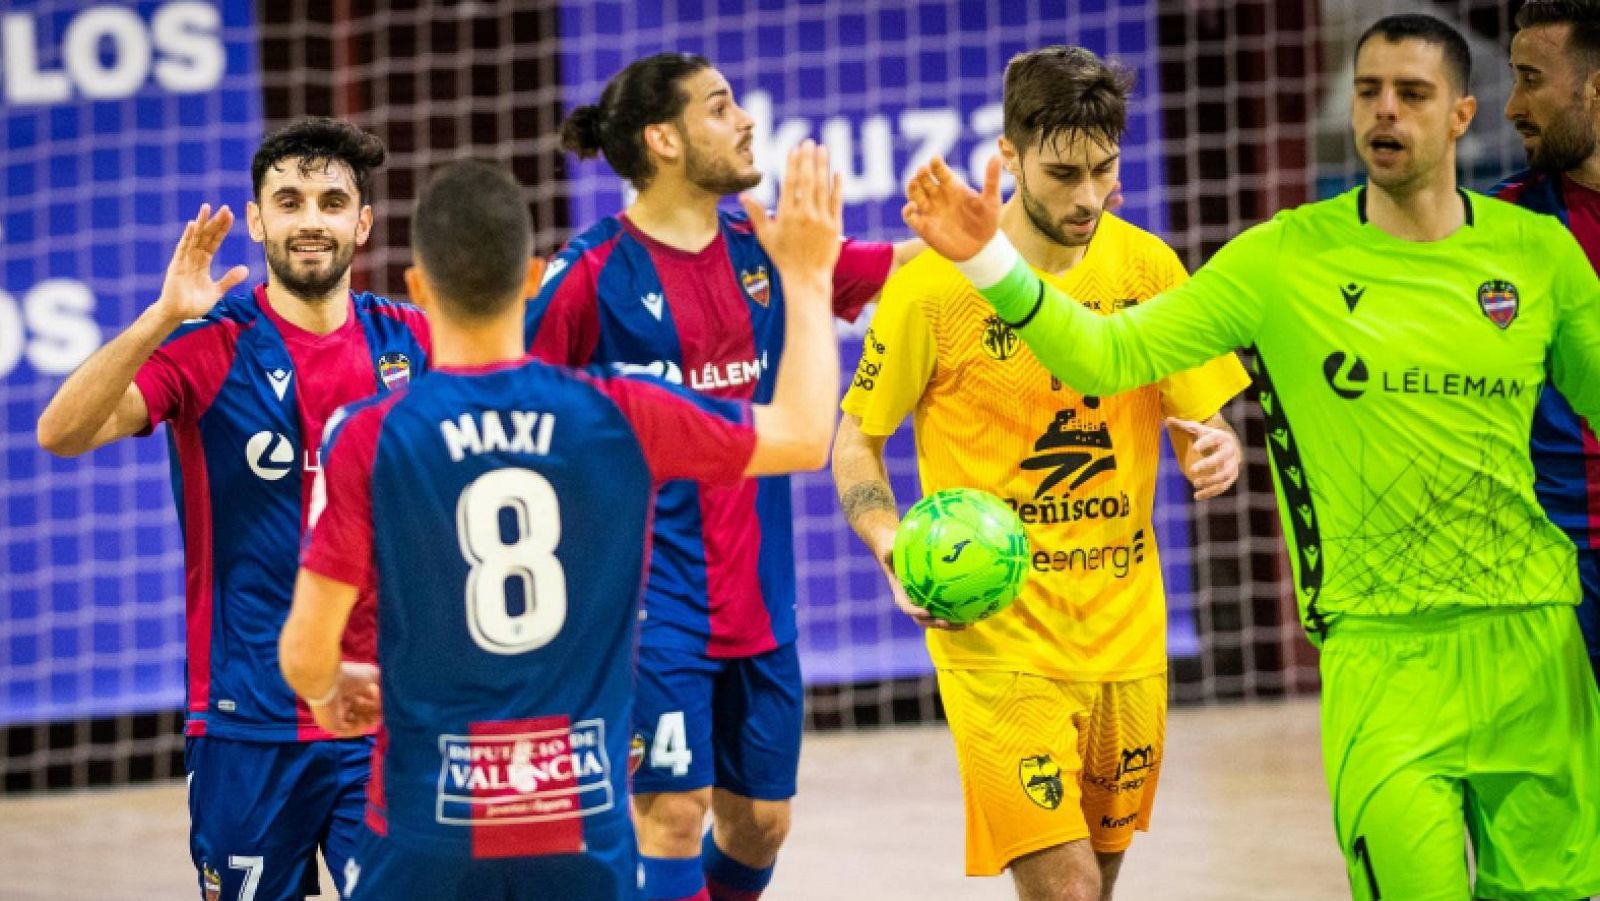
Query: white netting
pixel 1240 110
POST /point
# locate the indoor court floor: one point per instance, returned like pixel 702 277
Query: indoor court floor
pixel 1242 816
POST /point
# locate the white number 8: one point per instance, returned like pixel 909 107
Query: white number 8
pixel 530 559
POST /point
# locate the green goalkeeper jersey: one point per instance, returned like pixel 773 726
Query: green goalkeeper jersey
pixel 1398 381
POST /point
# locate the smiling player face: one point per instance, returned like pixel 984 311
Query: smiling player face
pixel 310 221
pixel 1405 113
pixel 718 136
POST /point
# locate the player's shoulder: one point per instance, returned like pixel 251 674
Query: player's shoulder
pixel 408 315
pixel 1493 214
pixel 604 232
pixel 1123 239
pixel 364 416
pixel 1518 186
pixel 586 250
pixel 230 316
pixel 736 221
pixel 928 275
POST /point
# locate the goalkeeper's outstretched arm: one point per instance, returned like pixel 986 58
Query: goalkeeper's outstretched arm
pixel 1216 311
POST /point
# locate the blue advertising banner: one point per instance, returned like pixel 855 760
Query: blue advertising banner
pixel 885 86
pixel 120 120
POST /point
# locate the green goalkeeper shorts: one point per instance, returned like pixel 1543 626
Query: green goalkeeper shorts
pixel 1479 723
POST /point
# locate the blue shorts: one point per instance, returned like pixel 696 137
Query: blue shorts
pixel 258 811
pixel 1589 607
pixel 734 724
pixel 383 870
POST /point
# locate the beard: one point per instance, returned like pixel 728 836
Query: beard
pixel 309 284
pixel 1040 216
pixel 716 175
pixel 1565 142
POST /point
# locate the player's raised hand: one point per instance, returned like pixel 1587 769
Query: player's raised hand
pixel 955 220
pixel 189 291
pixel 1212 460
pixel 357 701
pixel 803 237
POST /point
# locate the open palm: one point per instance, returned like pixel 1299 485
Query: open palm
pixel 955 220
pixel 189 290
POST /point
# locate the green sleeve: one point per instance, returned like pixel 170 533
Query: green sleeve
pixel 1221 308
pixel 1575 350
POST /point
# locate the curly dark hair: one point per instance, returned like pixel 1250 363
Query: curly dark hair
pixel 317 141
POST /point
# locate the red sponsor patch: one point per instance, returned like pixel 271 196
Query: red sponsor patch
pixel 524 786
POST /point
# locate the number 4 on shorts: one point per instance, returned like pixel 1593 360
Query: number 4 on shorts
pixel 671 747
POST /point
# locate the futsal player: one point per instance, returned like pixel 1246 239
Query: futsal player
pixel 1555 62
pixel 1057 704
pixel 246 381
pixel 501 508
pixel 1403 330
pixel 676 288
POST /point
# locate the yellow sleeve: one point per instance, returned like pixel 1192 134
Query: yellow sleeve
pixel 1198 393
pixel 897 356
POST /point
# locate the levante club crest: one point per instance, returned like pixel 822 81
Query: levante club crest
pixel 395 369
pixel 756 285
pixel 1499 301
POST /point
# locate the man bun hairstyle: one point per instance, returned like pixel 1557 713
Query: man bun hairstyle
pixel 648 92
pixel 317 141
pixel 473 236
pixel 1058 89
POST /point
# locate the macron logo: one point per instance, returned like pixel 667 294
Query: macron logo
pixel 280 381
pixel 652 302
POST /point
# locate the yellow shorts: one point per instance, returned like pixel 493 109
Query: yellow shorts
pixel 1045 762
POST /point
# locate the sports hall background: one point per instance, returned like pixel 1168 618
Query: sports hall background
pixel 122 118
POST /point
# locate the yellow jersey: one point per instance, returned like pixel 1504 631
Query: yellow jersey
pixel 1080 471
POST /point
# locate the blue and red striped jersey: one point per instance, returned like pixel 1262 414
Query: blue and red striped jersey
pixel 722 571
pixel 502 516
pixel 1566 454
pixel 246 393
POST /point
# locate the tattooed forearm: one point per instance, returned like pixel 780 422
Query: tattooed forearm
pixel 871 495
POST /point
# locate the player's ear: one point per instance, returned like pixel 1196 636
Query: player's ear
pixel 663 140
pixel 363 225
pixel 535 276
pixel 1009 158
pixel 417 287
pixel 1461 117
pixel 252 222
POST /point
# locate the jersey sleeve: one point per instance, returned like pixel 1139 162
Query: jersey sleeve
pixel 897 358
pixel 184 374
pixel 339 541
pixel 859 275
pixel 684 434
pixel 1575 349
pixel 1199 393
pixel 563 321
pixel 1219 309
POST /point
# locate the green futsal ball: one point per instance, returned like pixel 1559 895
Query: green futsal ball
pixel 961 555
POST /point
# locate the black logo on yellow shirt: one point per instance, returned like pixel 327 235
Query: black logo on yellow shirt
pixel 1000 340
pixel 1135 760
pixel 1069 448
pixel 871 363
pixel 1041 779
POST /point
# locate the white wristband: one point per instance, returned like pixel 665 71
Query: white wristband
pixel 991 264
